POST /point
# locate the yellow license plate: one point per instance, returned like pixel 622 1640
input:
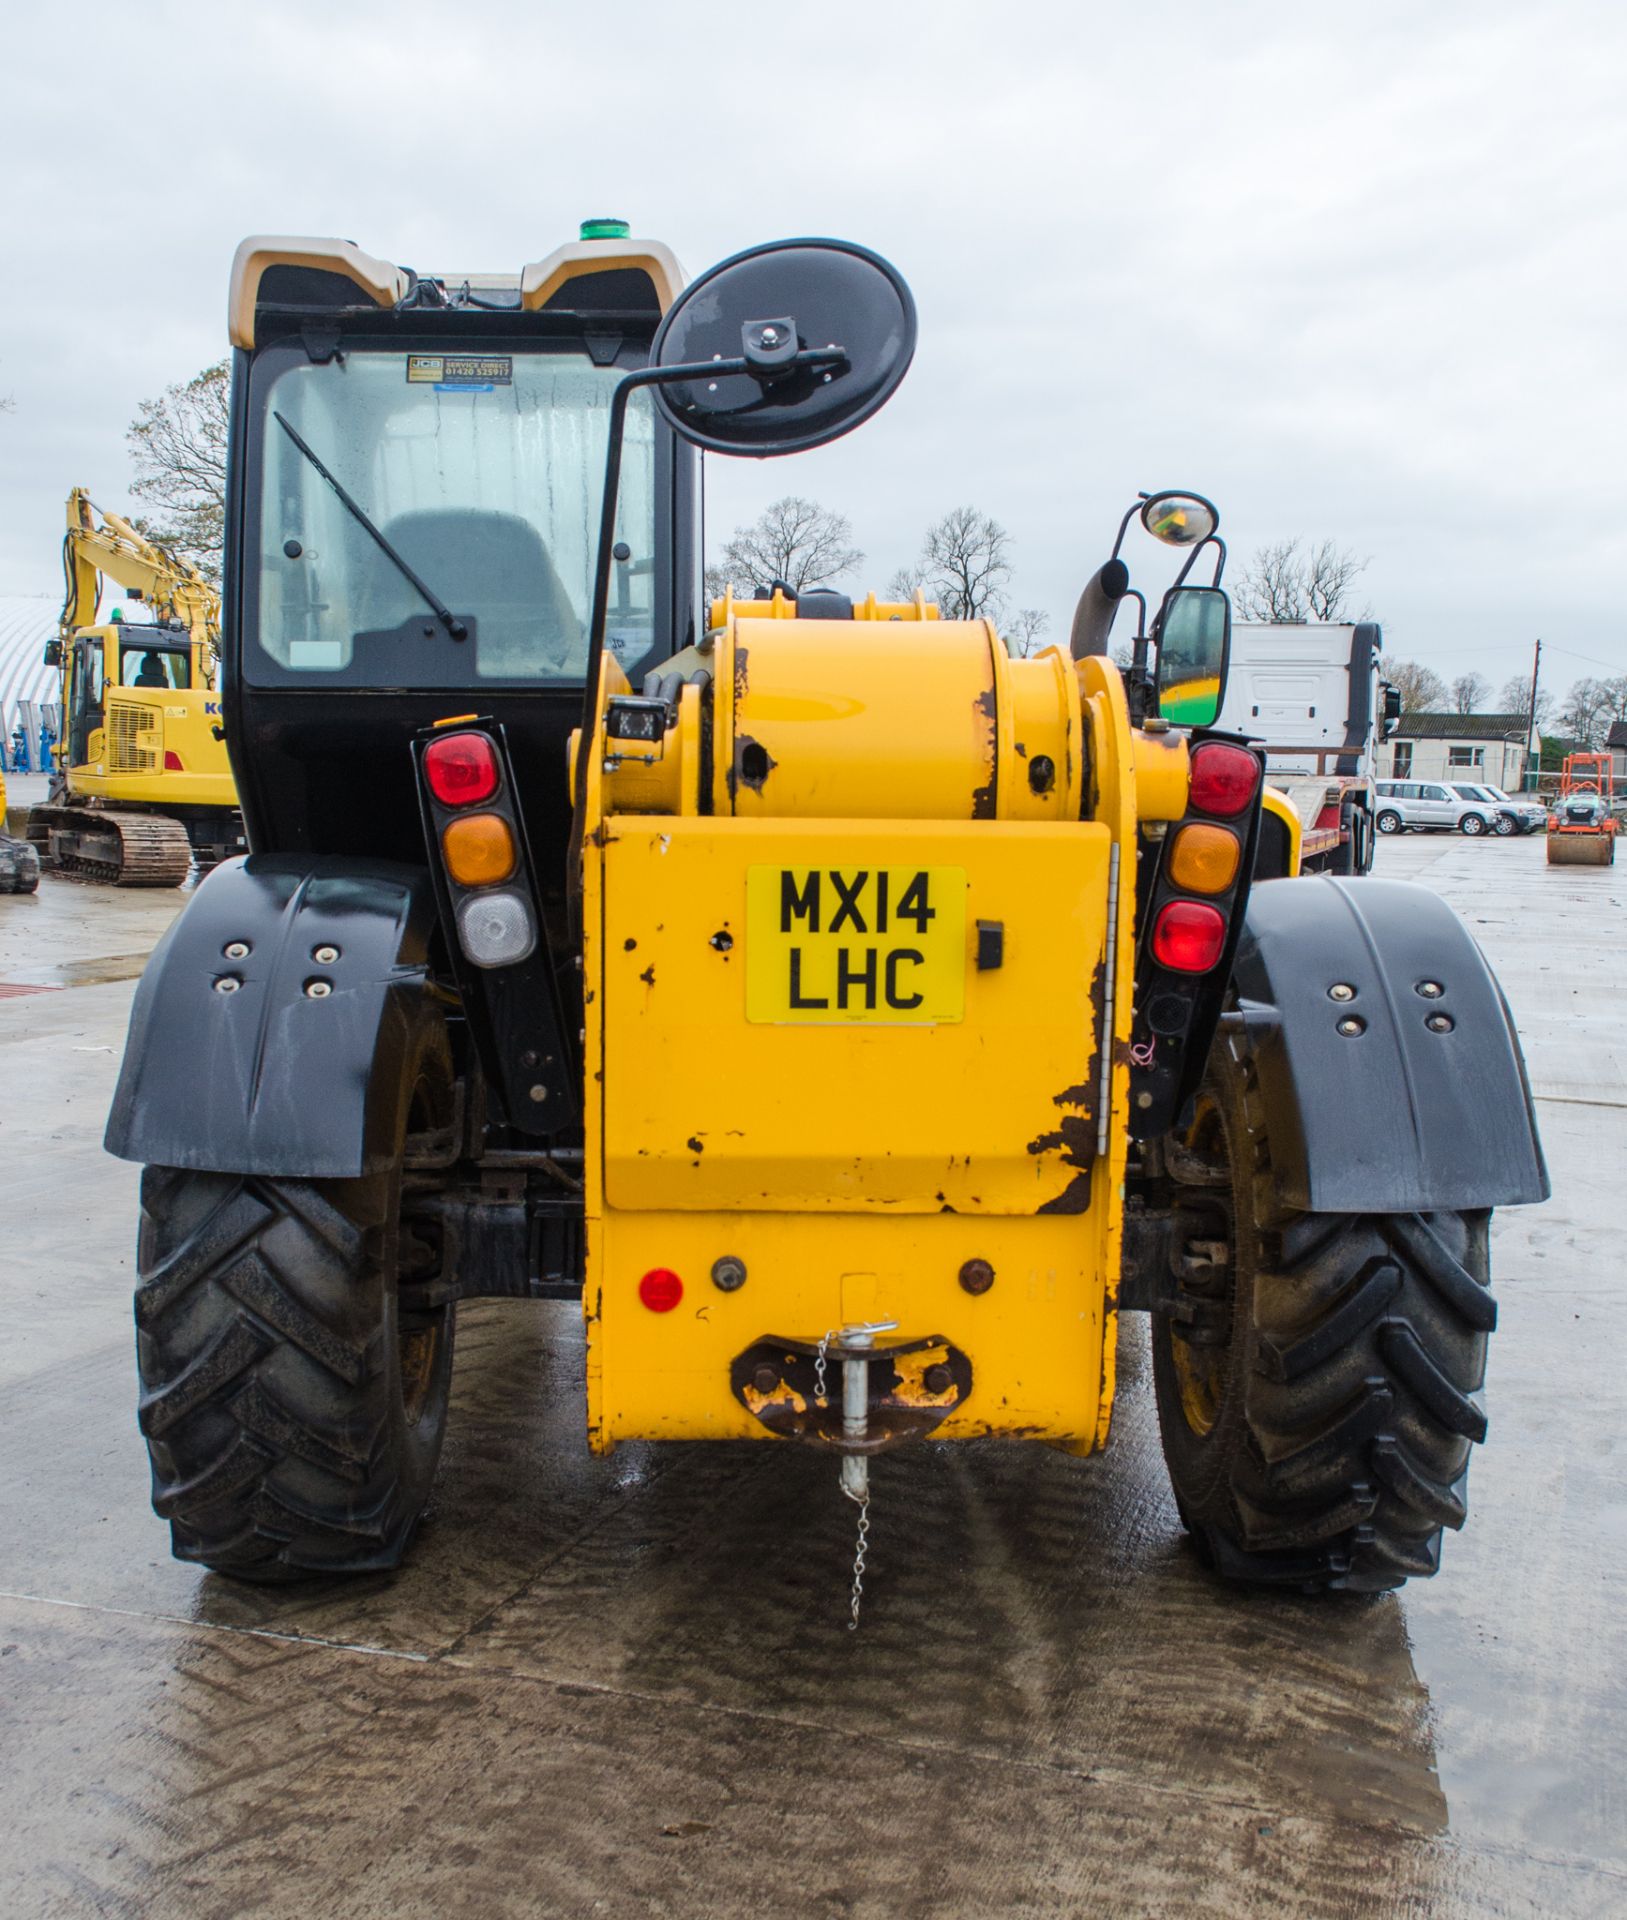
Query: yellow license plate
pixel 839 944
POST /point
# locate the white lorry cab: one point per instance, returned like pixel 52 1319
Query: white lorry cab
pixel 1316 695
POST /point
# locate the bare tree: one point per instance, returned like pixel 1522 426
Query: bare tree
pixel 1422 689
pixel 796 541
pixel 1469 692
pixel 1516 698
pixel 1589 709
pixel 1289 583
pixel 1025 629
pixel 965 565
pixel 178 447
pixel 1271 587
pixel 907 582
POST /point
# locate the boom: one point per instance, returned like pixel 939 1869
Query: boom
pixel 174 590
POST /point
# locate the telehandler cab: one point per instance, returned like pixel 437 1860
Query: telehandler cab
pixel 865 1020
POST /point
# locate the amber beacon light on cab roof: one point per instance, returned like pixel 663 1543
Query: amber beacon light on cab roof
pixel 855 1018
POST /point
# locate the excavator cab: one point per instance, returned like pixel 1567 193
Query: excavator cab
pixel 854 1018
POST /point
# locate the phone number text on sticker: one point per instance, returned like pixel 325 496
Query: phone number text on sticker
pixel 829 945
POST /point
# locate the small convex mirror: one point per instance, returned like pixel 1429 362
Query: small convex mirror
pixel 771 303
pixel 1179 519
pixel 1194 639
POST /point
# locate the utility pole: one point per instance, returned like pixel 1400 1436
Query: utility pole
pixel 1531 753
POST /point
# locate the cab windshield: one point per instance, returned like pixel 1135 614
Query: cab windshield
pixel 484 473
pixel 145 663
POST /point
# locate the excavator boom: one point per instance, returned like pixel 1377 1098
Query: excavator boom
pixel 114 549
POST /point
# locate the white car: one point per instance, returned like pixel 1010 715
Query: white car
pixel 1429 806
pixel 1513 815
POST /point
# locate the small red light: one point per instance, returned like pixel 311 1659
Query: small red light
pixel 172 761
pixel 1223 778
pixel 660 1290
pixel 1187 936
pixel 461 769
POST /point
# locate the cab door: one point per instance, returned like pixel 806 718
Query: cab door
pixel 85 700
pixel 1439 807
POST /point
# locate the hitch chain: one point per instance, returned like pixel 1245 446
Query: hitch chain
pixel 855 1471
pixel 859 1551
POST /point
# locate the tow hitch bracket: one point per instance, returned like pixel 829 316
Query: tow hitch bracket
pixel 906 1388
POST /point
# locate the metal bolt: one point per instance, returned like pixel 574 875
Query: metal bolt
pixel 771 336
pixel 765 1379
pixel 227 983
pixel 324 956
pixel 1430 989
pixel 1341 990
pixel 937 1379
pixel 728 1274
pixel 977 1276
pixel 528 1058
pixel 1439 1023
pixel 1351 1026
pixel 539 1094
pixel 237 949
pixel 1143 1099
pixel 318 989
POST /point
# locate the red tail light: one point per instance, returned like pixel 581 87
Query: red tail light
pixel 660 1290
pixel 172 761
pixel 461 769
pixel 1188 937
pixel 1223 778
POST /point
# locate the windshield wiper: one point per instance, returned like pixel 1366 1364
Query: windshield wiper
pixel 442 611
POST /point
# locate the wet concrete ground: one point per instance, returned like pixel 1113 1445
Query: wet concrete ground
pixel 624 1686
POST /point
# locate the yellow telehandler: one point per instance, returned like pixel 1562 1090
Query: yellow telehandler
pixel 142 787
pixel 866 1022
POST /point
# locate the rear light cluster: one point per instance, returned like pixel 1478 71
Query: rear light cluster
pixel 1189 936
pixel 496 924
pixel 1196 897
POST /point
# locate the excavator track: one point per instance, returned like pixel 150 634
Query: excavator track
pixel 111 848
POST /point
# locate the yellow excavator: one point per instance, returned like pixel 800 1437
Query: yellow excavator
pixel 142 788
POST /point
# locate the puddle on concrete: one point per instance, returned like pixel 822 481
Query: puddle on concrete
pixel 76 973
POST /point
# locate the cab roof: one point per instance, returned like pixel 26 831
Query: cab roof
pixel 276 277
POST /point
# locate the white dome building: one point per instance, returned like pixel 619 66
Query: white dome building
pixel 29 689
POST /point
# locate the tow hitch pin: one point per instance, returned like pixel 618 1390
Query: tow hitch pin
pixel 856 1404
pixel 855 1425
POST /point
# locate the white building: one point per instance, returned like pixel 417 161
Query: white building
pixel 1457 746
pixel 29 689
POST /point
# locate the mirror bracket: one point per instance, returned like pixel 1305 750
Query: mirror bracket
pixel 770 346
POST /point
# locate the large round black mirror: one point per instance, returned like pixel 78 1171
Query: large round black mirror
pixel 770 304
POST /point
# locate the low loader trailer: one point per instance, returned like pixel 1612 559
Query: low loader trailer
pixel 855 1018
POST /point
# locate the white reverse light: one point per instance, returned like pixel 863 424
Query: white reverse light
pixel 496 929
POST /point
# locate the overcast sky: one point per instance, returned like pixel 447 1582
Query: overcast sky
pixel 1354 271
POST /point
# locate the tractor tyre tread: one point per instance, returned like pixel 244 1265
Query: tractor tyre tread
pixel 1354 1398
pixel 270 1377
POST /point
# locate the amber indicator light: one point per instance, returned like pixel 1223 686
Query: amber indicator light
pixel 1203 859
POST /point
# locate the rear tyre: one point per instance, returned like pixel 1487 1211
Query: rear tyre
pixel 1472 824
pixel 1388 821
pixel 1318 1389
pixel 294 1391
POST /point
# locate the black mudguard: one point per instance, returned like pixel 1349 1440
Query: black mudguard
pixel 265 1078
pixel 1397 1118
